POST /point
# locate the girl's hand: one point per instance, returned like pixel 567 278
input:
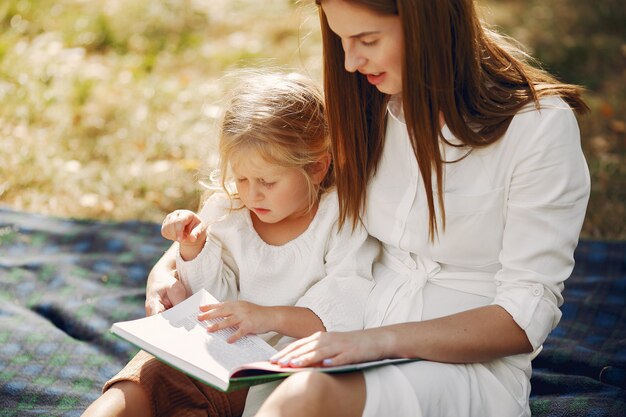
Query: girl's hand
pixel 186 228
pixel 246 317
pixel 183 226
pixel 332 349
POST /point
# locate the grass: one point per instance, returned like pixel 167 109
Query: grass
pixel 109 107
pixel 584 43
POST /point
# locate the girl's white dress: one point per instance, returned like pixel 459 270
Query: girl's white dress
pixel 325 269
pixel 514 211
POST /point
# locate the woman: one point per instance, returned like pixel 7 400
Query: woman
pixel 465 162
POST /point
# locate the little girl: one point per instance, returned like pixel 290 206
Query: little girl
pixel 269 246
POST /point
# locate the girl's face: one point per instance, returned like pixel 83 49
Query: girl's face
pixel 273 193
pixel 373 43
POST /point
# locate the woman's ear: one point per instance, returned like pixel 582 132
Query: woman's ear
pixel 319 169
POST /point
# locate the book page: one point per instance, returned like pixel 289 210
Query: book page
pixel 178 338
pixel 230 355
pixel 253 369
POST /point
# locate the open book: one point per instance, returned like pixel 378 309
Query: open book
pixel 179 339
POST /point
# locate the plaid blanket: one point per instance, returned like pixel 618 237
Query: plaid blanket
pixel 64 282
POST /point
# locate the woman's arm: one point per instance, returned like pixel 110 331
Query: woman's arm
pixel 163 289
pixel 476 335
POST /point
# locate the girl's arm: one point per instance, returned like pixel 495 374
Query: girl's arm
pixel 335 302
pixel 164 288
pixel 250 318
pixel 211 268
pixel 295 322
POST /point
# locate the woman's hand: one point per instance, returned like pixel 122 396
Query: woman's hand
pixel 333 349
pixel 244 316
pixel 163 292
pixel 163 289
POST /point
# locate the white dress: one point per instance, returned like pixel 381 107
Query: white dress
pixel 513 216
pixel 325 269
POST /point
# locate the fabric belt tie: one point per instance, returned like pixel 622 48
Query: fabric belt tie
pixel 417 272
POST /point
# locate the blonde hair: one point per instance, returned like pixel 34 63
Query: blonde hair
pixel 280 117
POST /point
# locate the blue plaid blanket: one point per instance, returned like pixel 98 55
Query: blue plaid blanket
pixel 64 282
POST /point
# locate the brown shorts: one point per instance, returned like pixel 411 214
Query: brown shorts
pixel 173 393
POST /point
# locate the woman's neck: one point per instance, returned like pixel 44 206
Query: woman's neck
pixel 395 107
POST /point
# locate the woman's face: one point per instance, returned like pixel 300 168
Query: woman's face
pixel 373 43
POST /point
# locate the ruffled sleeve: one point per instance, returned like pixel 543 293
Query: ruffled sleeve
pixel 339 298
pixel 213 269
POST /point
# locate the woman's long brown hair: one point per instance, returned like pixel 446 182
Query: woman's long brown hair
pixel 454 66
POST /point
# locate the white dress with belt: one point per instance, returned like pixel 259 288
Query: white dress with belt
pixel 514 211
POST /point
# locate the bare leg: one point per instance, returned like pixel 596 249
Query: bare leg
pixel 310 394
pixel 124 398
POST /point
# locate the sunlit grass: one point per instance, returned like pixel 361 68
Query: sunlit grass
pixel 584 43
pixel 109 107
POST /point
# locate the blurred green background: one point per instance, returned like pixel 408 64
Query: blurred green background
pixel 109 107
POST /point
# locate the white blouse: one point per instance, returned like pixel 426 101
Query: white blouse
pixel 325 269
pixel 514 211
